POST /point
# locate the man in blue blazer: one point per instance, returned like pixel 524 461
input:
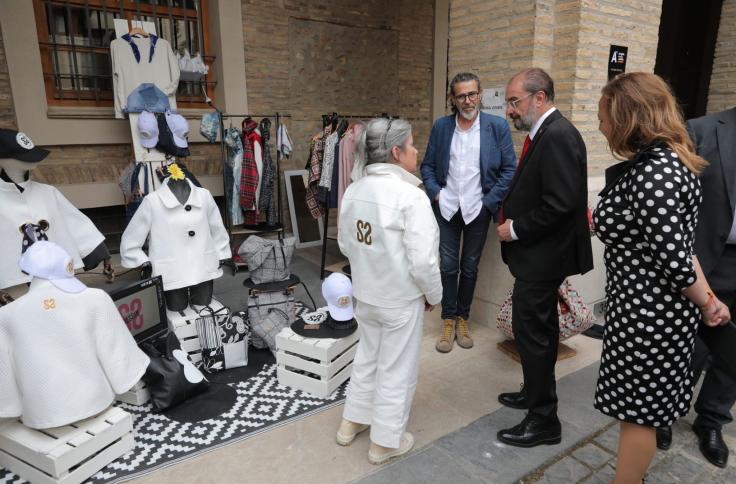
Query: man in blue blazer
pixel 467 169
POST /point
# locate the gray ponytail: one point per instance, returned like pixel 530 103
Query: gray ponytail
pixel 376 142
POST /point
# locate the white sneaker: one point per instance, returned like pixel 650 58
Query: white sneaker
pixel 348 431
pixel 380 455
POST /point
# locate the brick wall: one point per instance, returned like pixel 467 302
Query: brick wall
pixel 311 57
pixel 569 38
pixel 7 110
pixel 722 94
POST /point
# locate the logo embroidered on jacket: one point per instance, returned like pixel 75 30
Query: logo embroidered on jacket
pixel 49 304
pixel 364 232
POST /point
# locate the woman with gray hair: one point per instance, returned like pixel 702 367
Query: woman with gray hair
pixel 389 234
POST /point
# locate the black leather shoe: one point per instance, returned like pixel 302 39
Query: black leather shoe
pixel 664 438
pixel 712 445
pixel 514 400
pixel 532 431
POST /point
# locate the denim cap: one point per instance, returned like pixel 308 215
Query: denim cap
pixel 179 128
pixel 148 129
pixel 210 125
pixel 147 97
pixel 46 260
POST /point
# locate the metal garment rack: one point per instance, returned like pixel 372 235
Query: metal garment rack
pixel 223 153
pixel 327 206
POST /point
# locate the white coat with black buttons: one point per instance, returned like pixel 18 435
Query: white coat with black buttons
pixel 186 241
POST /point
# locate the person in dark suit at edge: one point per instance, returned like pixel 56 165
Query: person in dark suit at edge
pixel 545 237
pixel 714 137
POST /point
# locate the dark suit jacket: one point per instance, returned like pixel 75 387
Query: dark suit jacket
pixel 715 140
pixel 497 159
pixel 548 202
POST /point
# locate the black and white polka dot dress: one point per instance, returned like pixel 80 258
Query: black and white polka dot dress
pixel 647 219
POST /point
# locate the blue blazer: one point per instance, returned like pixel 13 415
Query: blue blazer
pixel 497 159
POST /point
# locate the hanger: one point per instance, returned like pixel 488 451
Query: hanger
pixel 137 31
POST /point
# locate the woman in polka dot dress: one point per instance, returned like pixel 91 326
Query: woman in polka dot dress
pixel 656 292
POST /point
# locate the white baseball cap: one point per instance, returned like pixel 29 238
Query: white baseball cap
pixel 47 260
pixel 338 293
pixel 148 129
pixel 179 128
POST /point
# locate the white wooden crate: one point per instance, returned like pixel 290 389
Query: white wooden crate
pixel 69 454
pixel 315 365
pixel 182 324
pixel 138 395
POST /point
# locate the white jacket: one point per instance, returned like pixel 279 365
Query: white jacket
pixel 68 227
pixel 388 232
pixel 64 356
pixel 186 241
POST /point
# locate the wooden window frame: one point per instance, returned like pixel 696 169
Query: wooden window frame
pixel 131 9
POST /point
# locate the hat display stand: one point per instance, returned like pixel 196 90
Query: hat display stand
pixel 66 455
pixel 314 365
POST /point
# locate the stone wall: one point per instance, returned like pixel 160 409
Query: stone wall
pixel 568 38
pixel 7 110
pixel 313 57
pixel 722 93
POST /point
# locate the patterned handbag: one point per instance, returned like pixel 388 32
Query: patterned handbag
pixel 269 313
pixel 268 260
pixel 575 315
pixel 224 338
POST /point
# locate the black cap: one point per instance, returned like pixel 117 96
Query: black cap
pixel 17 145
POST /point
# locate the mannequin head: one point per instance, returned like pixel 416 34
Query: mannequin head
pixel 17 170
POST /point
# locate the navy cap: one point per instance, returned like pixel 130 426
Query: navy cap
pixel 17 145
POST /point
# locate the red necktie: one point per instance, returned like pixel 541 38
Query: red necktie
pixel 524 149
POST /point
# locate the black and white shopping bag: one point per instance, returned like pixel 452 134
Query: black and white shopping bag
pixel 224 338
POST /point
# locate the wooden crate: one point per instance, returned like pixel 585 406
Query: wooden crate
pixel 138 395
pixel 182 324
pixel 69 454
pixel 315 365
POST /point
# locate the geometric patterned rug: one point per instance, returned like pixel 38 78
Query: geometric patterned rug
pixel 262 404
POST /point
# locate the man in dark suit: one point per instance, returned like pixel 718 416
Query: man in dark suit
pixel 715 246
pixel 467 169
pixel 544 237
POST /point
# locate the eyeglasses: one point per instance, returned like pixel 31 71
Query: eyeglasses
pixel 388 128
pixel 515 102
pixel 473 96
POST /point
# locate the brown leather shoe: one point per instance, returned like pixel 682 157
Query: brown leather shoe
pixel 463 334
pixel 447 338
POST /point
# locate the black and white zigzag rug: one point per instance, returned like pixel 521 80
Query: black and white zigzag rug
pixel 261 404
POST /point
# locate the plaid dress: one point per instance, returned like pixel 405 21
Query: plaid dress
pixel 265 203
pixel 316 207
pixel 249 174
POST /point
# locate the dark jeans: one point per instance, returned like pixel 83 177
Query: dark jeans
pixel 718 393
pixel 536 324
pixel 179 299
pixel 457 296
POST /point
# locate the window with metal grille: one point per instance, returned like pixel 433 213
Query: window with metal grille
pixel 75 36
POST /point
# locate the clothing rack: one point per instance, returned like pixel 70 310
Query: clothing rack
pixel 223 153
pixel 327 206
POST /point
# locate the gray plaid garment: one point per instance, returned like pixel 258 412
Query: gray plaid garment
pixel 268 259
pixel 268 314
pixel 265 204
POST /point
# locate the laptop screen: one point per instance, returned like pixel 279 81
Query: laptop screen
pixel 143 308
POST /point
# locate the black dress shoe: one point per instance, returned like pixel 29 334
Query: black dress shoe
pixel 712 445
pixel 664 438
pixel 532 431
pixel 514 400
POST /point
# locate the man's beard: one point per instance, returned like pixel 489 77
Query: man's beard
pixel 526 121
pixel 471 115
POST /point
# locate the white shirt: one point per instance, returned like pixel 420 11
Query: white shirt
pixel 127 73
pixel 463 190
pixel 186 242
pixel 68 227
pixel 532 134
pixel 64 356
pixel 390 236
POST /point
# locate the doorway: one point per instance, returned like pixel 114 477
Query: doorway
pixel 687 41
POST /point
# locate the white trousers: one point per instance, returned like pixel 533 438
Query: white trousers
pixel 385 369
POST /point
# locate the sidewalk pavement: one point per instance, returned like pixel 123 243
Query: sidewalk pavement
pixel 586 454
